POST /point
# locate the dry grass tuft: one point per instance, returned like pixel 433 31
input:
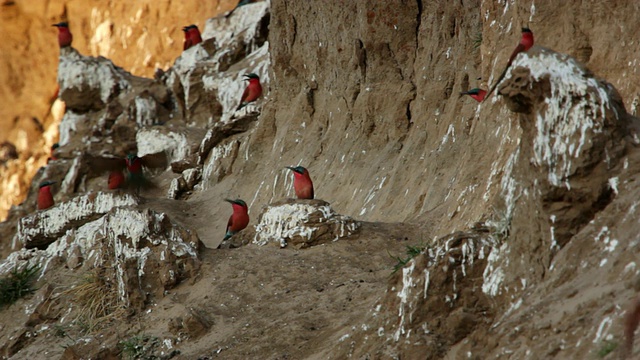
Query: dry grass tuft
pixel 97 299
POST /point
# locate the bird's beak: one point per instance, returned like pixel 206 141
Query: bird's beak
pixel 230 201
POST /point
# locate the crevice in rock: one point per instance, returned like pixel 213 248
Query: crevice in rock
pixel 311 101
pixel 419 22
pixel 361 54
pixel 222 131
pixel 452 30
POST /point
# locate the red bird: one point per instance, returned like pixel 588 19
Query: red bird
pixel 477 94
pixel 116 180
pixel 45 199
pixel 64 35
pixel 526 42
pixel 302 183
pixel 191 36
pixel 239 219
pixel 135 177
pixel 252 91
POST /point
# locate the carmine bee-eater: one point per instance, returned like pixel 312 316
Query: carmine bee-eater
pixel 136 177
pixel 302 183
pixel 45 198
pixel 526 42
pixel 477 93
pixel 191 36
pixel 239 219
pixel 64 35
pixel 116 180
pixel 252 91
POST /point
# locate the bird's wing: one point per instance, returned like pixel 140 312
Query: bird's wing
pixel 245 94
pixel 516 51
pixel 229 223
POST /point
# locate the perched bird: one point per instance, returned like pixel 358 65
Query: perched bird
pixel 252 91
pixel 302 183
pixel 45 198
pixel 526 42
pixel 191 36
pixel 239 219
pixel 135 177
pixel 64 35
pixel 116 180
pixel 477 93
pixel 241 3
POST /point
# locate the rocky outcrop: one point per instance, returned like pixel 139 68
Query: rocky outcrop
pixel 435 301
pixel 44 227
pixel 301 224
pixel 128 258
pixel 94 88
pixel 574 137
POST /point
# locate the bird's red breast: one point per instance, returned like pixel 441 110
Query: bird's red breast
pixel 303 185
pixel 527 40
pixel 45 199
pixel 239 219
pixel 64 37
pixel 255 90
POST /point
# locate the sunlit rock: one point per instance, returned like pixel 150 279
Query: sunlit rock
pixel 143 251
pixel 44 227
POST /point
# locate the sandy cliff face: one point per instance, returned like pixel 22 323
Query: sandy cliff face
pixel 139 36
pixel 524 202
